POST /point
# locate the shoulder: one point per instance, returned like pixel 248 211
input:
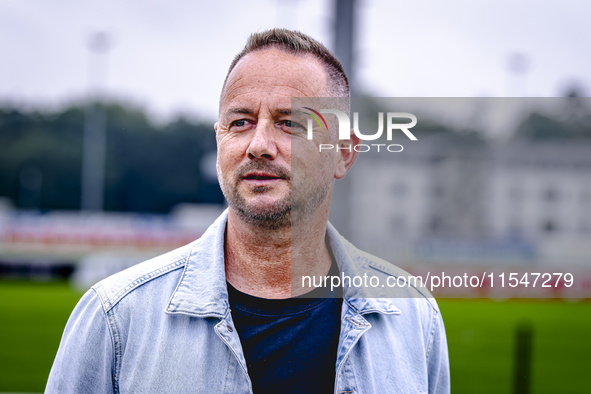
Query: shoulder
pixel 415 311
pixel 390 282
pixel 405 284
pixel 114 288
pixel 400 288
pixel 183 272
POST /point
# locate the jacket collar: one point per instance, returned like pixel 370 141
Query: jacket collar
pixel 351 263
pixel 202 292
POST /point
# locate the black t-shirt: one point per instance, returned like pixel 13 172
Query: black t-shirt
pixel 290 345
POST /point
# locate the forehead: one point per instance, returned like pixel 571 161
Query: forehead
pixel 275 76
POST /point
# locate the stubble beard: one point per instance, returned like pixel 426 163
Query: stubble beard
pixel 268 216
pixel 282 213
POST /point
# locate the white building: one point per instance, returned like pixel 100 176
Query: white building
pixel 458 199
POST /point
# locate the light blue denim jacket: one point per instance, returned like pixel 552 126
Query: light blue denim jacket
pixel 164 326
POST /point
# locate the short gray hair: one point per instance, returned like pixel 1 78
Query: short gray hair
pixel 297 43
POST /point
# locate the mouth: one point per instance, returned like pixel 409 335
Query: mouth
pixel 260 176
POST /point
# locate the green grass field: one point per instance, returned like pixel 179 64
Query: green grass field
pixel 481 337
pixel 32 318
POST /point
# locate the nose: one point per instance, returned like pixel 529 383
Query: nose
pixel 263 144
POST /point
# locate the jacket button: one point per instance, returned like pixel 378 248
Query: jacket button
pixel 229 328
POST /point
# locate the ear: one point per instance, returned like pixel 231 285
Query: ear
pixel 346 155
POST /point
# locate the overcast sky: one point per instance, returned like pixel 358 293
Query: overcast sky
pixel 171 56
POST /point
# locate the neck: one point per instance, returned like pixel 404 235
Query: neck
pixel 270 263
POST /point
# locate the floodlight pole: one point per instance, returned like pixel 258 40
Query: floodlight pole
pixel 344 30
pixel 343 38
pixel 517 67
pixel 94 143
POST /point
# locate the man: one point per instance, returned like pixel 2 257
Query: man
pixel 222 315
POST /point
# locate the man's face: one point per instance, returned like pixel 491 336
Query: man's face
pixel 256 138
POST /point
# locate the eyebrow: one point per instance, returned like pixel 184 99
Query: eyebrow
pixel 248 111
pixel 239 110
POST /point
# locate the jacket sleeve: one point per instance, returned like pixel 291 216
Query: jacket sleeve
pixel 84 360
pixel 438 358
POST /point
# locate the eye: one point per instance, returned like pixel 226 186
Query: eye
pixel 291 125
pixel 240 123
